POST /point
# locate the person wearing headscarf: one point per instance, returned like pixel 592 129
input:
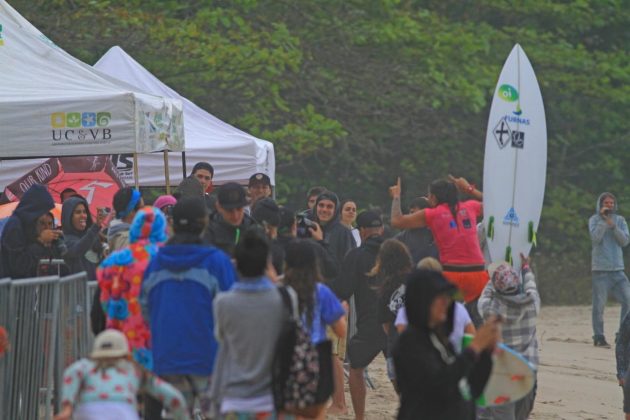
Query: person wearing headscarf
pixel 120 280
pixel 428 370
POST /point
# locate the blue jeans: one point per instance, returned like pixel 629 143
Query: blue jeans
pixel 604 282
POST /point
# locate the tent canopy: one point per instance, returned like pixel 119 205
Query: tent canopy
pixel 234 154
pixel 51 104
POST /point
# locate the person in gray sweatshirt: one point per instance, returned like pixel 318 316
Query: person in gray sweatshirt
pixel 248 322
pixel 609 234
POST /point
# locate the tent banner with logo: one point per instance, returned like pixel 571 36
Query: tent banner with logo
pixel 52 104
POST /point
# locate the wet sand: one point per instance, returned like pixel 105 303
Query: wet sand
pixel 575 380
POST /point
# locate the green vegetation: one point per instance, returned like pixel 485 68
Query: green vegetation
pixel 353 93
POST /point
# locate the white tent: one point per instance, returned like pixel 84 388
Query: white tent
pixel 234 154
pixel 51 104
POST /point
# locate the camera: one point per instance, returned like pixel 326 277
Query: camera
pixel 607 212
pixel 104 211
pixel 303 224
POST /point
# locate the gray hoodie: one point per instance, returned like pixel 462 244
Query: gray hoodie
pixel 607 241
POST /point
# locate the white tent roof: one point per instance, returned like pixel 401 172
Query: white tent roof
pixel 51 104
pixel 234 154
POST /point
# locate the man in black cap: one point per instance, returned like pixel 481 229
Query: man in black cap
pixel 370 338
pixel 259 187
pixel 230 221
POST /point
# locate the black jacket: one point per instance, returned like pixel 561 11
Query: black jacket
pixel 427 370
pixel 19 247
pixel 420 243
pixel 224 235
pixel 339 238
pixel 327 264
pixel 84 248
pixel 354 280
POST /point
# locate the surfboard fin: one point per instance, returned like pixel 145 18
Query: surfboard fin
pixel 508 254
pixel 531 233
pixel 490 232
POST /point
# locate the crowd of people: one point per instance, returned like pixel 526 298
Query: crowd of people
pixel 188 313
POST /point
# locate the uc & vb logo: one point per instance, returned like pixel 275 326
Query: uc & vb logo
pixel 78 119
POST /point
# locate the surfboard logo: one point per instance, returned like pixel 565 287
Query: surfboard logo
pixel 511 218
pixel 508 93
pixel 518 111
pixel 504 134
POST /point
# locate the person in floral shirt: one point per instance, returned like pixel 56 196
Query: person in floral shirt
pixel 120 280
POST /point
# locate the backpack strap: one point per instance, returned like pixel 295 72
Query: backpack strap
pixel 289 299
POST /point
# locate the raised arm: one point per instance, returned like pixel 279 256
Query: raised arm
pixel 400 220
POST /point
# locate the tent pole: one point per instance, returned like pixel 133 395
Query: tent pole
pixel 135 171
pixel 184 164
pixel 167 176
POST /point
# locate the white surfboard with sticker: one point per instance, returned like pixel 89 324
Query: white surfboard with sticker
pixel 515 161
pixel 511 378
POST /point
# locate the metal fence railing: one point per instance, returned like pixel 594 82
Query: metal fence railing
pixel 5 284
pixel 48 324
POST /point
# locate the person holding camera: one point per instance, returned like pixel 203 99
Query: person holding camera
pixel 28 235
pixel 82 236
pixel 609 234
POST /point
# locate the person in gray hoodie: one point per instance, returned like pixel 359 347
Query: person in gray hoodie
pixel 609 234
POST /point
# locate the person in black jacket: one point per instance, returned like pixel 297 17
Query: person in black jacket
pixel 287 232
pixel 230 221
pixel 419 241
pixel 27 236
pixel 81 236
pixel 327 215
pixel 370 339
pixel 428 371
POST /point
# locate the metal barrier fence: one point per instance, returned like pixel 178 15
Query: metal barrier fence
pixel 48 325
pixel 4 322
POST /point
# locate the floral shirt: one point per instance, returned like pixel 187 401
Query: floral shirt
pixel 83 384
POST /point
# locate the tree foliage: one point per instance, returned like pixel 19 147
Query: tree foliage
pixel 356 92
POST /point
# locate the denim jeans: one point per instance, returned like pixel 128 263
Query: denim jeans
pixel 604 282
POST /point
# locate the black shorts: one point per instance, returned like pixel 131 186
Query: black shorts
pixel 362 349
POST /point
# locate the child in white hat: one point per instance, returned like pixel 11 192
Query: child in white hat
pixel 104 386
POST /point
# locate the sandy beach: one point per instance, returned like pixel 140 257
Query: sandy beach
pixel 575 380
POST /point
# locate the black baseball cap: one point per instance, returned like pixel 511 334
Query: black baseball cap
pixel 369 219
pixel 259 178
pixel 266 210
pixel 231 196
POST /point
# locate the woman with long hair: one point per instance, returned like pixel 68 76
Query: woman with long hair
pixel 317 304
pixel 393 264
pixel 349 216
pixel 454 226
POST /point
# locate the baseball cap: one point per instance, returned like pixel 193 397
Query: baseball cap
pixel 369 219
pixel 189 214
pixel 259 177
pixel 110 343
pixel 231 196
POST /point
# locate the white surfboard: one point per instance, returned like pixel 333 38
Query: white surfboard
pixel 515 161
pixel 511 378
